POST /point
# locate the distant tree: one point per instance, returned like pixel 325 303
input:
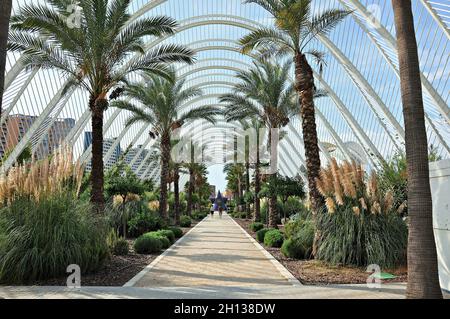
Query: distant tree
pixel 122 181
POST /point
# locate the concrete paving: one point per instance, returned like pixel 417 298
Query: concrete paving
pixel 216 259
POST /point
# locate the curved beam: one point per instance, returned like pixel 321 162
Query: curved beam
pixel 390 40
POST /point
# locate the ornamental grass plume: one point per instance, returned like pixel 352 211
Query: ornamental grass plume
pixel 361 225
pixel 55 174
pixel 345 184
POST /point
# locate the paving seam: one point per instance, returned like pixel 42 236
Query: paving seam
pixel 149 267
pixel 286 273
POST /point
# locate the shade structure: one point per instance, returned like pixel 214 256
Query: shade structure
pixel 361 117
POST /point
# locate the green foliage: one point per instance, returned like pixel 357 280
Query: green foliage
pixel 38 240
pixel 185 221
pixel 299 246
pixel 294 208
pixel 121 180
pixel 148 185
pixel 260 234
pixel 273 238
pixel 177 231
pixel 167 233
pixel 256 226
pixel 165 241
pixel 117 245
pixel 147 244
pixel 199 215
pixel 361 240
pixel 144 221
pixel 249 197
pixel 393 177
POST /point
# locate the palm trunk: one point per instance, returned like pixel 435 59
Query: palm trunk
pixel 165 158
pixel 304 79
pixel 305 88
pixel 190 191
pixel 247 186
pixel 5 14
pixel 273 212
pixel 257 216
pixel 97 106
pixel 273 198
pixel 423 280
pixel 176 191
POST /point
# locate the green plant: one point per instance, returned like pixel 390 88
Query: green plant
pixel 121 247
pixel 143 222
pixel 165 242
pixel 185 221
pixel 177 231
pixel 361 226
pixel 147 244
pixel 117 245
pixel 39 239
pixel 300 245
pixel 167 233
pixel 256 226
pixel 198 215
pixel 273 238
pixel 260 234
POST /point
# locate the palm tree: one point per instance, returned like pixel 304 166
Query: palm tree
pixel 160 104
pixel 266 94
pixel 295 28
pixel 91 53
pixel 423 280
pixel 5 14
pixel 234 175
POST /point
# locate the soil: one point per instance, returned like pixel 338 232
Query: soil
pixel 313 272
pixel 117 271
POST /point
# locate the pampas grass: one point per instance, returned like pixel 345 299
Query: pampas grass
pixel 360 224
pixel 38 180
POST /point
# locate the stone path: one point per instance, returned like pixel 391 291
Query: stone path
pixel 216 259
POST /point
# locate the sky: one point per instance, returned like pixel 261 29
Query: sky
pixel 216 177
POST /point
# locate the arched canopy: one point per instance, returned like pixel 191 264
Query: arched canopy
pixel 363 108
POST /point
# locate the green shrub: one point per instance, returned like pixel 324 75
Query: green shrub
pixel 293 227
pixel 185 221
pixel 256 226
pixel 165 242
pixel 39 239
pixel 177 231
pixel 117 245
pixel 197 215
pixel 147 244
pixel 167 233
pixel 273 238
pixel 261 233
pixel 121 247
pixel 300 245
pixel 144 222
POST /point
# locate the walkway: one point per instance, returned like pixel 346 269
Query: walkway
pixel 216 259
pixel 217 252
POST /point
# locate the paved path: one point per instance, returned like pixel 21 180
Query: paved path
pixel 216 259
pixel 217 252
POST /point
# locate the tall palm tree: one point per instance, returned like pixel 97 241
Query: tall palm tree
pixel 295 28
pixel 90 52
pixel 5 14
pixel 423 280
pixel 266 94
pixel 160 102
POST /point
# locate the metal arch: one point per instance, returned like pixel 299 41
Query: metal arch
pixel 352 71
pixel 334 134
pixel 281 156
pixel 350 120
pixel 390 40
pixel 436 17
pixel 241 22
